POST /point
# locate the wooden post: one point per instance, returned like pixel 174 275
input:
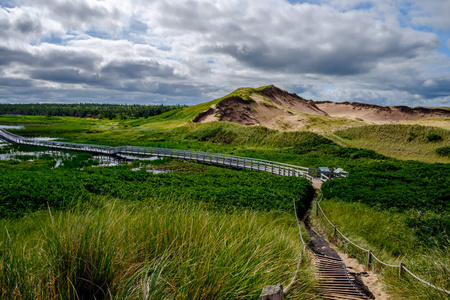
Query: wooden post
pixel 369 256
pixel 400 267
pixel 272 292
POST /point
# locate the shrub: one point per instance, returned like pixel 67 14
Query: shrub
pixel 443 151
pixel 433 137
pixel 411 136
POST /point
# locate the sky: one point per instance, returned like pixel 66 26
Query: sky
pixel 386 52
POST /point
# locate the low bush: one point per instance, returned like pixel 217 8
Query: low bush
pixel 433 137
pixel 443 151
pixel 402 187
pixel 23 191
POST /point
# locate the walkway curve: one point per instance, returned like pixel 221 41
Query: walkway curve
pixel 234 161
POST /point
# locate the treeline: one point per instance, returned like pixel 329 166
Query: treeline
pixel 100 111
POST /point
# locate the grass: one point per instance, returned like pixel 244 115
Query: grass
pixel 141 251
pixel 385 231
pixel 199 232
pixel 391 240
pixel 404 142
pixel 219 137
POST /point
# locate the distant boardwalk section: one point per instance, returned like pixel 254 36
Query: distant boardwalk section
pixel 213 158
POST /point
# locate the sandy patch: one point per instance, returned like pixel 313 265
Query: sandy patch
pixel 379 114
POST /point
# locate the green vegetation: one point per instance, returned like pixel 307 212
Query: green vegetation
pixel 388 234
pixel 110 111
pixel 117 232
pixel 443 151
pixel 433 137
pixel 28 186
pixel 149 251
pixel 399 210
pixel 400 141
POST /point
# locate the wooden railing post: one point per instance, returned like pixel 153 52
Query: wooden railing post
pixel 369 256
pixel 400 269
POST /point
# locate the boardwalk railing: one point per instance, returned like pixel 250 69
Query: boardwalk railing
pixel 363 254
pixel 213 158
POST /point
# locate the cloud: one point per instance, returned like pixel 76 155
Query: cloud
pixel 431 13
pixel 196 49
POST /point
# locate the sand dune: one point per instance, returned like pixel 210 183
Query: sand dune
pixel 274 108
pixel 380 114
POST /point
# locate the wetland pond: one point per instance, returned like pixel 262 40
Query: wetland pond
pixel 10 151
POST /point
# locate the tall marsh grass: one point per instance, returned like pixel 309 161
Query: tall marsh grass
pixel 136 251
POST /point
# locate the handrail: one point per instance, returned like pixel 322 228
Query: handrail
pixel 261 165
pixel 401 266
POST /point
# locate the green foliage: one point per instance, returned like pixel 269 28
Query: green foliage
pixel 405 142
pixel 433 137
pixel 411 136
pixel 233 134
pixel 402 187
pixel 415 238
pixel 110 111
pixel 399 185
pixel 432 229
pixel 23 191
pixel 311 142
pixel 443 151
pixel 354 153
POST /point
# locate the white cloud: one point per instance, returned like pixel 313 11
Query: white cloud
pixel 431 13
pixel 141 49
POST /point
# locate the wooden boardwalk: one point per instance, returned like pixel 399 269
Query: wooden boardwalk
pixel 334 279
pixel 206 157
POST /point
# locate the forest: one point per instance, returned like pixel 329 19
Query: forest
pixel 87 110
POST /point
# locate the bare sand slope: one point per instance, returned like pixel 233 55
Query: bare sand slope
pixel 270 107
pixel 380 114
pixel 274 108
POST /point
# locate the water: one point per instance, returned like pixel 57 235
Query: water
pixel 13 153
pixel 10 151
pixel 154 171
pixel 12 126
pixel 43 138
pixel 130 157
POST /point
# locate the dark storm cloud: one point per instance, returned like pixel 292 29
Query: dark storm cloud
pixel 334 44
pixel 435 88
pixel 49 58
